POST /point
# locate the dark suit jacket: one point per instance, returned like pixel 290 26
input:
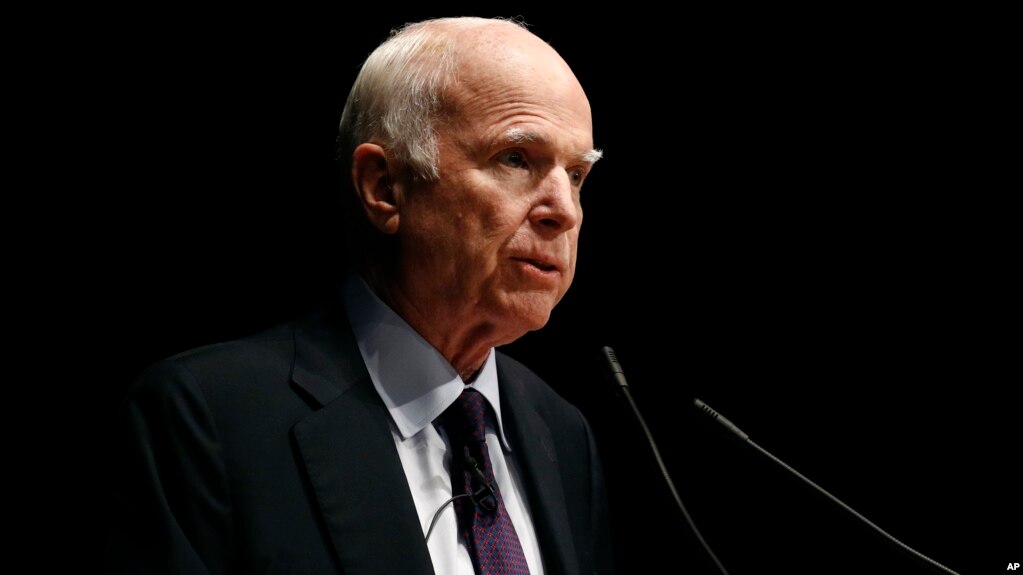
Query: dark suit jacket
pixel 273 454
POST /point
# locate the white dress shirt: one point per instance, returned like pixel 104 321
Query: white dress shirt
pixel 417 384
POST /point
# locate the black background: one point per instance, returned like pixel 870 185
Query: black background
pixel 800 218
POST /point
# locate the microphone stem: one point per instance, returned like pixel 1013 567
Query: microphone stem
pixel 744 437
pixel 930 562
pixel 667 479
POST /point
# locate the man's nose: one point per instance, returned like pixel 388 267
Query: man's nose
pixel 557 208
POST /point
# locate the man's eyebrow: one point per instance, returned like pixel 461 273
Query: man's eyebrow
pixel 521 136
pixel 592 156
pixel 516 136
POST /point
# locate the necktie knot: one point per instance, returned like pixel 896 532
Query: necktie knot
pixel 466 419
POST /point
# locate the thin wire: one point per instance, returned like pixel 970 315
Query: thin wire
pixel 436 515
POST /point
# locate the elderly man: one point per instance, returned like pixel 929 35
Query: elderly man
pixel 335 444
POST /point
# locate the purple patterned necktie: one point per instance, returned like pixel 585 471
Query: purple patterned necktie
pixel 490 536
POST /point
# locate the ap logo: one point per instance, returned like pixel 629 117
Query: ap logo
pixel 1012 567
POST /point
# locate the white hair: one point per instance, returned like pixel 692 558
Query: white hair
pixel 400 91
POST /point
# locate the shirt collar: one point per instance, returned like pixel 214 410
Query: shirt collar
pixel 413 379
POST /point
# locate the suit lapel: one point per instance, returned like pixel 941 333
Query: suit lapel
pixel 533 449
pixel 350 457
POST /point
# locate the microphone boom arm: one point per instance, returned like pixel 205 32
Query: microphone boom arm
pixel 745 439
pixel 619 377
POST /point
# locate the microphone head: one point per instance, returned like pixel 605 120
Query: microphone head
pixel 617 373
pixel 612 359
pixel 720 419
pixel 705 408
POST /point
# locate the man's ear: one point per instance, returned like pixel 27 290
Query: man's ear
pixel 374 185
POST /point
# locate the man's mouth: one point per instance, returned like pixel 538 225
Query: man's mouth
pixel 539 264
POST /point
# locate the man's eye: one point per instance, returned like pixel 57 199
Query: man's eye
pixel 513 158
pixel 576 176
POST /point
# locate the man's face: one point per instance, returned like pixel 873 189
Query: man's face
pixel 496 235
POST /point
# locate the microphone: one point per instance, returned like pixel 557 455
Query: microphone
pixel 706 409
pixel 484 498
pixel 623 386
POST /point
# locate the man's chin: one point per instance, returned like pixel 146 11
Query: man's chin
pixel 532 311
